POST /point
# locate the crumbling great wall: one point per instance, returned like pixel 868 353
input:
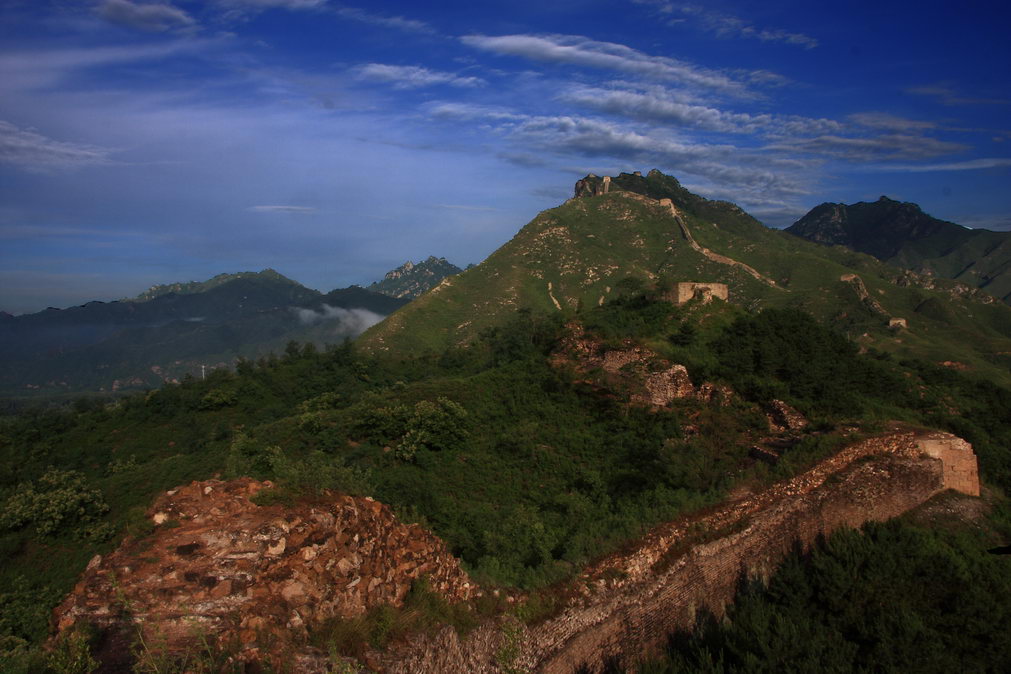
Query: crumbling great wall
pixel 630 602
pixel 220 565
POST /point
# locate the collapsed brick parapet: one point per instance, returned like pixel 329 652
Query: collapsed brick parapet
pixel 219 565
pixel 628 603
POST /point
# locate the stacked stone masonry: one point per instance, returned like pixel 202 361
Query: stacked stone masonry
pixel 259 577
pixel 632 601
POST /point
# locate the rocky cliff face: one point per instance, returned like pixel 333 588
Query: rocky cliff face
pixel 634 370
pixel 410 280
pixel 254 577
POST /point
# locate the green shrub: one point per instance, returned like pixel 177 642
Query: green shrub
pixel 57 501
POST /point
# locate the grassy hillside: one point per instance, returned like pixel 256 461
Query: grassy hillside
pixel 571 257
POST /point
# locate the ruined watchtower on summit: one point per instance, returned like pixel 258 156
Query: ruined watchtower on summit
pixel 684 292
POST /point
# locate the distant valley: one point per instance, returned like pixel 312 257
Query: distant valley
pixel 176 330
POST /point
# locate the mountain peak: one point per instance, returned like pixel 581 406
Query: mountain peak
pixel 193 287
pixel 410 280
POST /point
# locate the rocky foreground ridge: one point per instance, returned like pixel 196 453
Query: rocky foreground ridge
pixel 219 565
pixel 254 577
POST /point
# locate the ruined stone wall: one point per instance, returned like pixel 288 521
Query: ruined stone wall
pixel 220 565
pixel 961 470
pixel 685 292
pixel 630 602
pixel 259 577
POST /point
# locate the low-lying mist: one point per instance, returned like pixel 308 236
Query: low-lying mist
pixel 350 322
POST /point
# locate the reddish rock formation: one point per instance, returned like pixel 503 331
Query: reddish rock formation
pixel 649 379
pixel 784 418
pixel 220 565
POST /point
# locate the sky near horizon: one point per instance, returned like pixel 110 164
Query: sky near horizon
pixel 163 141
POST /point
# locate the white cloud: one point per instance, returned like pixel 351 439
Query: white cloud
pixel 350 322
pixel 412 77
pixel 29 149
pixel 467 111
pixel 582 51
pixel 154 17
pixel 398 22
pixel 658 105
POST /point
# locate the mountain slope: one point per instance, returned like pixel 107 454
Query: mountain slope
pixel 412 280
pixel 574 256
pixel 901 234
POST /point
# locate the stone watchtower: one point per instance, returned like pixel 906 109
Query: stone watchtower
pixel 684 292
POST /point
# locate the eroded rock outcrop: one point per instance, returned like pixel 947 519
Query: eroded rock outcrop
pixel 256 577
pixel 647 378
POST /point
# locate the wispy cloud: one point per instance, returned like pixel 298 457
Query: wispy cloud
pixel 155 17
pixel 35 69
pixel 268 4
pixel 747 172
pixel 725 25
pixel 582 51
pixel 27 148
pixel 659 105
pixel 997 221
pixel 397 22
pixel 946 94
pixel 468 111
pixel 887 146
pixel 969 165
pixel 884 120
pixel 298 210
pixel 412 77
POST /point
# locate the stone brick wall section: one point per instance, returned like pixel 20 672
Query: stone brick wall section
pixel 220 565
pixel 685 292
pixel 631 601
pixel 259 577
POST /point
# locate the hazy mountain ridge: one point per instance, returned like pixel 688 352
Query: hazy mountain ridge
pixel 901 234
pixel 167 335
pixel 411 280
pixel 194 287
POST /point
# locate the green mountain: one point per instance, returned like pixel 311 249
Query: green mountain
pixel 574 256
pixel 412 280
pixel 901 234
pixel 589 403
pixel 166 335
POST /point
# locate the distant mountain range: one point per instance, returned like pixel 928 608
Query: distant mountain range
pixel 412 280
pixel 171 331
pixel 652 229
pixel 901 234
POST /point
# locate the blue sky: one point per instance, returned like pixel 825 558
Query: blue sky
pixel 152 142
